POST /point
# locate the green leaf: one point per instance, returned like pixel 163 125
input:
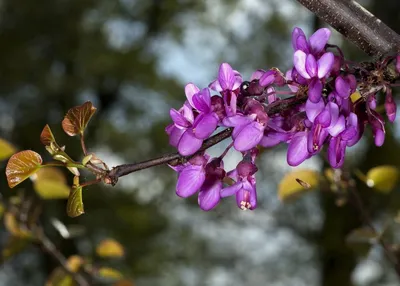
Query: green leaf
pixel 110 273
pixel 50 183
pixel 75 203
pixel 382 178
pixel 13 246
pixel 6 149
pixel 21 166
pixel 77 118
pixel 110 248
pixel 296 183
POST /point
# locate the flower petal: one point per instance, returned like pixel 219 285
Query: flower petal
pixel 319 39
pixel 190 180
pixel 215 85
pixel 246 197
pixel 338 127
pixel 175 134
pixel 190 90
pixel 226 76
pixel 299 61
pixel 179 120
pixel 315 90
pixel 311 65
pixel 257 74
pixel 249 136
pixel 209 195
pixel 205 126
pixel 325 64
pixel 267 78
pixel 342 87
pixel 313 109
pixel 237 120
pixel 299 40
pixel 336 152
pixel 297 150
pixel 231 190
pixel 189 144
pixel 202 100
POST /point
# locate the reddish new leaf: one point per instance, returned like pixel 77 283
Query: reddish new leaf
pixel 47 137
pixel 77 118
pixel 21 166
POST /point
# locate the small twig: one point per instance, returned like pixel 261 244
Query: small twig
pixel 83 144
pixel 57 255
pixel 368 221
pixel 112 176
pixel 92 182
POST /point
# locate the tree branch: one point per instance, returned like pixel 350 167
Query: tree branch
pixel 176 159
pixel 357 24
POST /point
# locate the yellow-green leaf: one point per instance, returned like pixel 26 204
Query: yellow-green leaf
pixel 21 166
pixel 59 277
pixel 110 273
pixel 109 248
pixel 13 246
pixel 1 211
pixel 50 183
pixel 6 149
pixel 13 226
pixel 296 183
pixel 77 118
pixel 362 235
pixel 75 262
pixel 355 96
pixel 382 178
pixel 75 203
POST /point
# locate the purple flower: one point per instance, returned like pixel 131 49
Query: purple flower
pixel 298 149
pixel 390 105
pixel 312 70
pixel 248 130
pixel 347 138
pixel 378 129
pixel 327 122
pixel 315 45
pixel 227 82
pixel 272 76
pixel 209 195
pixel 197 175
pixel 345 86
pixel 244 187
pixel 189 130
pixel 191 176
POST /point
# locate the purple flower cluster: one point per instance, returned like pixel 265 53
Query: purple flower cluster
pixel 331 115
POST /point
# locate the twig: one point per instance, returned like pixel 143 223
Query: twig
pixel 57 255
pixel 367 220
pixel 83 144
pixel 175 158
pixel 357 24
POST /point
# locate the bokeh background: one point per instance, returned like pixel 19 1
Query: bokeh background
pixel 132 59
